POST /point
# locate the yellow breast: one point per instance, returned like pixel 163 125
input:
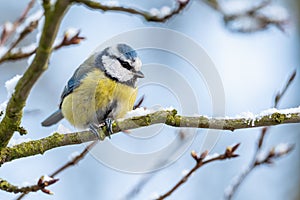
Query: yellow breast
pixel 97 95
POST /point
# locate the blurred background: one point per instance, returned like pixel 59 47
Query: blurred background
pixel 252 67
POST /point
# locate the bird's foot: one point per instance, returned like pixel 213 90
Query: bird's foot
pixel 95 127
pixel 108 124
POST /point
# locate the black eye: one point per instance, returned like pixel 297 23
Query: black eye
pixel 125 64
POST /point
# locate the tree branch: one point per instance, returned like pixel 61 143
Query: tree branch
pixel 41 146
pixel 146 15
pixel 42 183
pixel 13 114
pixel 72 162
pixel 168 117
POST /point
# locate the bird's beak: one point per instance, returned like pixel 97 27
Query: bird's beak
pixel 139 74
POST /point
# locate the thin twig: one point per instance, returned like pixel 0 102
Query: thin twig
pixel 75 160
pixel 72 162
pixel 237 181
pixel 249 20
pixel 146 15
pixel 42 183
pixel 139 102
pixel 13 52
pixel 138 187
pixel 7 33
pixel 280 94
pixel 200 161
pixel 31 26
pixel 18 53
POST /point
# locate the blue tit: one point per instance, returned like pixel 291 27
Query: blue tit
pixel 103 88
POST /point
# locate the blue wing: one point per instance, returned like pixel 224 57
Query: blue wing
pixel 75 80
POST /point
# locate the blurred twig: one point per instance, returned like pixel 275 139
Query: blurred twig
pixel 181 4
pixel 41 184
pixel 6 33
pixel 14 110
pixel 280 94
pixel 139 102
pixel 249 20
pixel 183 136
pixel 20 53
pixel 258 159
pixel 200 161
pixel 76 159
pixel 28 29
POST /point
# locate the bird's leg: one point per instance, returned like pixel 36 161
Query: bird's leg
pixel 94 129
pixel 108 124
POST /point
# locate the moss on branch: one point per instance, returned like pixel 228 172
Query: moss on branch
pixel 8 187
pixel 40 146
pixel 168 117
pixel 42 183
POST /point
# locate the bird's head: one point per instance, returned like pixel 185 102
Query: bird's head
pixel 121 63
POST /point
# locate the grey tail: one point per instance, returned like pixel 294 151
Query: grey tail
pixel 53 119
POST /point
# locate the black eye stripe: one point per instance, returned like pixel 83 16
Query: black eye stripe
pixel 125 64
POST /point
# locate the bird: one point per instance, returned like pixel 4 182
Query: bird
pixel 103 88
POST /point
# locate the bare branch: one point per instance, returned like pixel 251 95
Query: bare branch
pixel 273 154
pixel 7 33
pixel 280 94
pixel 31 26
pixel 250 20
pixel 138 187
pixel 72 162
pixel 262 158
pixel 75 160
pixel 69 40
pixel 139 102
pixel 146 15
pixel 200 161
pixel 20 53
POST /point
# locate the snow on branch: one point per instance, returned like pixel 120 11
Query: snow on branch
pixel 70 37
pixel 154 15
pixel 163 116
pixel 261 157
pixel 251 16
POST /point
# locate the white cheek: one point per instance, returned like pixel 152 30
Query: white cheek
pixel 115 69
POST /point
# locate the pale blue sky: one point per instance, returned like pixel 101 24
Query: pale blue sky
pixel 251 66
